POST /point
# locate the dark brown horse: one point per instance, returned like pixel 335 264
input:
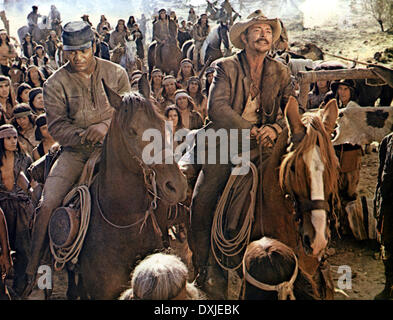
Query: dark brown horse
pixel 164 56
pixel 298 180
pixel 122 228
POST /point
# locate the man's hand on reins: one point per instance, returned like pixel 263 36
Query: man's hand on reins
pixel 94 134
pixel 5 264
pixel 266 136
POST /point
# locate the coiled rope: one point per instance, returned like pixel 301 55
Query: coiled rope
pixel 232 247
pixel 71 253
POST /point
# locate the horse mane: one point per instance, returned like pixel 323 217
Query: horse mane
pixel 132 102
pixel 315 135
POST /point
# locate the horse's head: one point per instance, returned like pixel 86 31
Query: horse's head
pixel 309 172
pixel 135 122
pixel 224 34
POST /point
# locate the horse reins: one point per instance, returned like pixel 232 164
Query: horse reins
pixel 284 289
pixel 149 176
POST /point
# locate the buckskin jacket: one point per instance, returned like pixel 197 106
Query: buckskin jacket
pixel 231 88
pixel 72 107
pixel 164 29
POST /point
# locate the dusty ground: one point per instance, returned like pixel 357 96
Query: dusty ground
pixel 356 36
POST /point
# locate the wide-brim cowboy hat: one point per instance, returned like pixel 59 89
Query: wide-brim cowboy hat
pixel 346 82
pixel 239 27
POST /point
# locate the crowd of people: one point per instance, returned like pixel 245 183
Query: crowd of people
pixel 39 89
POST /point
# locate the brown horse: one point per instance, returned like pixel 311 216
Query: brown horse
pixel 164 56
pixel 298 180
pixel 122 225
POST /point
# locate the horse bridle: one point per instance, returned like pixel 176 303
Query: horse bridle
pixel 300 204
pixel 149 177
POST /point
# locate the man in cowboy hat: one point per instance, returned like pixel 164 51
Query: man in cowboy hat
pixel 79 115
pixel 249 91
pixel 350 158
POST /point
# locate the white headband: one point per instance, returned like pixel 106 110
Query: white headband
pixel 181 95
pixel 9 132
pixel 168 81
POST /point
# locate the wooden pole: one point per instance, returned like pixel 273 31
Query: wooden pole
pixel 346 59
pixel 307 77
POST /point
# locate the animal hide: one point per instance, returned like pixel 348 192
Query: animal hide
pixel 363 125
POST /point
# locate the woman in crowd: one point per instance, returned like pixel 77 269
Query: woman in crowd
pixel 194 89
pixel 191 119
pixel 34 77
pixel 24 122
pixel 192 17
pixel 43 136
pixel 161 277
pixel 22 93
pixel 103 23
pixel 36 101
pixel 209 76
pixel 156 84
pixel 7 97
pixel 168 93
pixel 40 58
pixel 186 72
pixel 28 46
pixel 131 23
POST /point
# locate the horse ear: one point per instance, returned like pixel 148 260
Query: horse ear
pixel 292 116
pixel 114 99
pixel 330 115
pixel 144 86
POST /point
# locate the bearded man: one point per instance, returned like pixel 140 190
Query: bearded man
pixel 249 91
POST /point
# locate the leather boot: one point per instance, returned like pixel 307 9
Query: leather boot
pixel 387 292
pixel 199 243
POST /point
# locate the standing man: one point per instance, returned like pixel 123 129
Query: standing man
pixel 32 19
pixel 384 208
pixel 249 91
pixel 79 116
pixel 199 33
